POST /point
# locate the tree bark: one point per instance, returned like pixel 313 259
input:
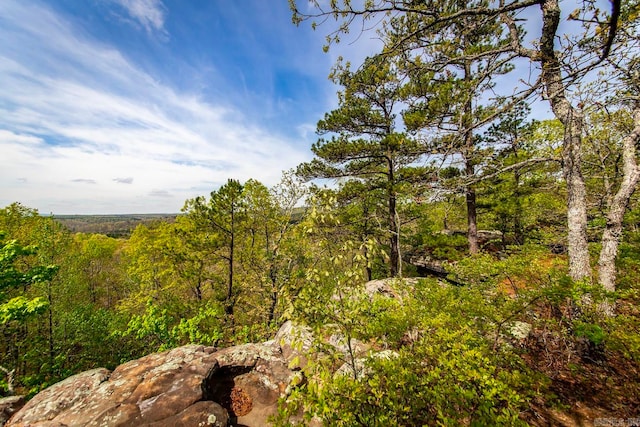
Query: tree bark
pixel 472 222
pixel 572 119
pixel 612 235
pixel 228 306
pixel 10 376
pixel 518 232
pixel 472 213
pixel 272 255
pixel 393 227
pixel 472 217
pixel 394 262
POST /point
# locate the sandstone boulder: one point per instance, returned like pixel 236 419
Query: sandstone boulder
pixel 385 288
pixel 295 341
pixel 187 386
pixel 193 385
pixel 8 406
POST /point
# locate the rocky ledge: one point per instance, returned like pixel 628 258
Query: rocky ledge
pixel 187 386
pixel 193 385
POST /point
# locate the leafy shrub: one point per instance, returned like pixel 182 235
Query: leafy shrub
pixel 162 332
pixel 443 246
pixel 592 332
pixel 447 369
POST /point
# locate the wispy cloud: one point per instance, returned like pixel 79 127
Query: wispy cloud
pixel 73 108
pixel 84 181
pixel 159 193
pixel 150 14
pixel 128 180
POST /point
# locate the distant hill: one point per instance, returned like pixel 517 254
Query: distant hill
pixel 123 225
pixel 110 225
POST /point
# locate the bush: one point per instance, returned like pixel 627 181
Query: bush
pixel 160 330
pixel 446 369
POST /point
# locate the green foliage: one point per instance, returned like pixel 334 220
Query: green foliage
pixel 513 198
pixel 203 328
pixel 444 363
pixel 86 339
pixel 623 335
pixel 161 331
pixel 48 374
pixel 13 277
pixel 223 217
pixel 623 330
pixel 457 384
pixel 592 332
pixel 20 308
pixel 441 246
pixel 96 273
pixel 629 258
pixel 442 355
pixel 16 305
pixel 164 262
pixel 444 369
pixel 380 164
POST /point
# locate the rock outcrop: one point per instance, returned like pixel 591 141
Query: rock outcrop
pixel 9 406
pixel 187 386
pixel 194 385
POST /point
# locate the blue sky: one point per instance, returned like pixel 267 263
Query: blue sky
pixel 133 106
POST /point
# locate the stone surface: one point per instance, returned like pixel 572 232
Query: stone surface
pixel 249 381
pixel 384 287
pixel 8 406
pixel 358 368
pixel 295 342
pixel 187 386
pixel 520 330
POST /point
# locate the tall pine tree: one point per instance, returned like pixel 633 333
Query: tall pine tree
pixel 365 144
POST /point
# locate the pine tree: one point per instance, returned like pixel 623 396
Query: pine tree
pixel 366 144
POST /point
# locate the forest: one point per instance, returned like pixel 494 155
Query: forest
pixel 512 243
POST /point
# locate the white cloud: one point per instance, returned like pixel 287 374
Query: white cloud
pixel 159 193
pixel 127 180
pixel 74 111
pixel 150 14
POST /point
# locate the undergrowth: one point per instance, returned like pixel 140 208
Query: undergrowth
pixel 455 355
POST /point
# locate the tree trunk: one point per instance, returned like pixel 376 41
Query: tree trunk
pixel 398 244
pixel 368 269
pixel 612 234
pixel 272 255
pixel 572 119
pixel 50 319
pixel 394 240
pixel 273 303
pixel 228 306
pixel 472 214
pixel 518 232
pixel 577 243
pixel 472 221
pixel 394 261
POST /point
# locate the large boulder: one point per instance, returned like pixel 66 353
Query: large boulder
pixel 385 288
pixel 192 385
pixel 187 386
pixel 8 406
pixel 296 342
